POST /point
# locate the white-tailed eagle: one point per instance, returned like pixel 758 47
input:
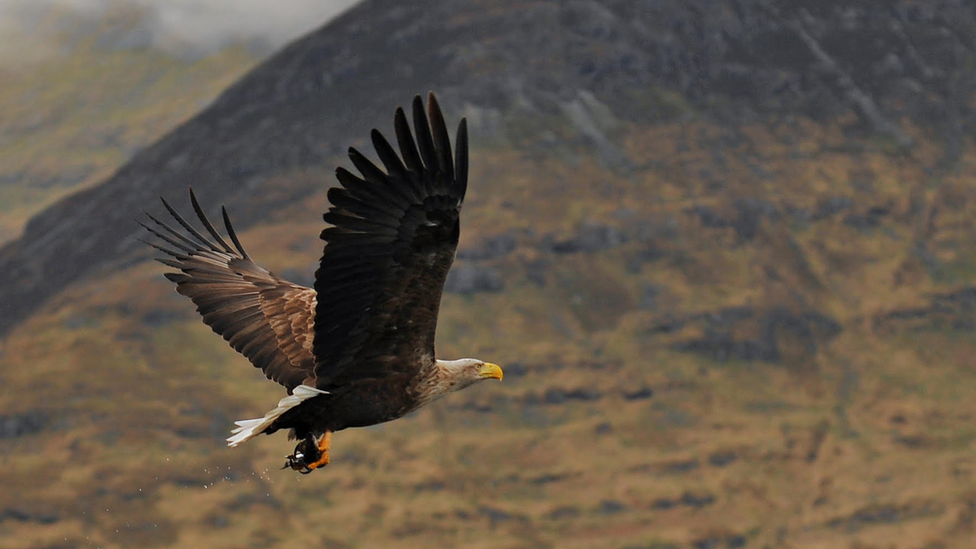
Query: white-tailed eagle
pixel 358 348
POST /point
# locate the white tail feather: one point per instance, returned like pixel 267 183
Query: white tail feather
pixel 249 428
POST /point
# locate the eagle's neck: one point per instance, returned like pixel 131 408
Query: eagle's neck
pixel 446 377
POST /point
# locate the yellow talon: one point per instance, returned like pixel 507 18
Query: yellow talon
pixel 323 460
pixel 307 449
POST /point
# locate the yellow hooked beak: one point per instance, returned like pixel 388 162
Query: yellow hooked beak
pixel 489 370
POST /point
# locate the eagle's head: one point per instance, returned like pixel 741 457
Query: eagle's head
pixel 454 375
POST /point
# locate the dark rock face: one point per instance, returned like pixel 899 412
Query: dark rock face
pixel 20 515
pixel 868 220
pixel 611 507
pixel 563 512
pixel 709 217
pixel 24 424
pixel 490 248
pixel 469 279
pixel 638 394
pixel 721 459
pixel 557 396
pixel 722 340
pixel 496 515
pixel 831 206
pixel 688 499
pixel 751 211
pixel 888 513
pixel 500 63
pixel 691 499
pixel 953 311
pixel 590 237
pixel 597 237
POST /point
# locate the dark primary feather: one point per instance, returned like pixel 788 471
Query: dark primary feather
pixel 267 319
pixel 386 257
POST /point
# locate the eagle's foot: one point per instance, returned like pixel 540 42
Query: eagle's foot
pixel 310 454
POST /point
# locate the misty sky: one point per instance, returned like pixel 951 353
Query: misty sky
pixel 175 26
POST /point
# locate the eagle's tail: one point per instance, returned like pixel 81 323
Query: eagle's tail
pixel 249 428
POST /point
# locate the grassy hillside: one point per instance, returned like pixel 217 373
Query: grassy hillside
pixel 69 118
pixel 753 337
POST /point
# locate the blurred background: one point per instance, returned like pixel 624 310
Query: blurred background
pixel 724 249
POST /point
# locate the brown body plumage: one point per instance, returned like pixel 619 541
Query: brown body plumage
pixel 358 348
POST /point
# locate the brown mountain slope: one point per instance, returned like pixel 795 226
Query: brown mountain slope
pixel 745 320
pixel 679 376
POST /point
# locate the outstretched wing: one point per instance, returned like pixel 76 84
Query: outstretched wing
pixel 265 318
pixel 386 257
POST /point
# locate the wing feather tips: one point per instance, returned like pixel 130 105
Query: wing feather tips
pixel 427 166
pixel 370 171
pixel 408 147
pixel 206 222
pixel 186 245
pixel 461 158
pixel 442 143
pixel 198 247
pixel 201 240
pixel 388 156
pixel 232 233
pixel 425 142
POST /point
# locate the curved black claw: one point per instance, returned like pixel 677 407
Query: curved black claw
pixel 307 451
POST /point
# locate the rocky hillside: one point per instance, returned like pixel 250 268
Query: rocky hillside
pixel 532 73
pixel 725 251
